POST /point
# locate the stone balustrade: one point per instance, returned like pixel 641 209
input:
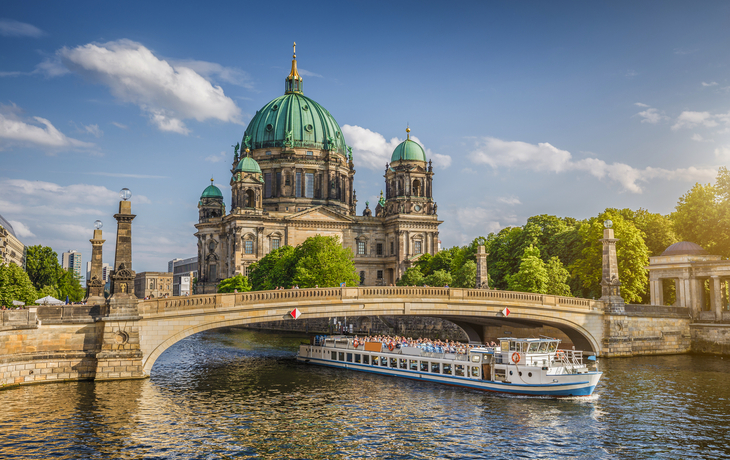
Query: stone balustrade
pixel 18 319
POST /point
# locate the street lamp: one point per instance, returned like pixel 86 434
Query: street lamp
pixel 125 194
pixel 98 224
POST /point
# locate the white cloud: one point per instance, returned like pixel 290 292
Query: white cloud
pixel 37 132
pixel 50 67
pixel 510 200
pixel 683 51
pixel 216 158
pixel 168 94
pixel 371 150
pixel 93 130
pixel 307 73
pixel 639 104
pixel 544 157
pixel 714 83
pixel 21 229
pixel 652 116
pixel 699 138
pixel 131 176
pixel 723 153
pixel 119 125
pixel 689 119
pixel 12 28
pixel 212 70
pixel 631 73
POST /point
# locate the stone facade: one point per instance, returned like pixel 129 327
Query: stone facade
pixel 11 249
pixel 149 285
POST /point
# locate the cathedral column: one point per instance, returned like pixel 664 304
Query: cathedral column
pixel 716 296
pixel 259 242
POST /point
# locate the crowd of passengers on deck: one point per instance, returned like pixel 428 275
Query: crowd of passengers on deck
pixel 428 345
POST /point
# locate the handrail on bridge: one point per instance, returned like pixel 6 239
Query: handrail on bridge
pixel 213 301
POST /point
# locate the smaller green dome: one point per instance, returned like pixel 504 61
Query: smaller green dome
pixel 249 165
pixel 211 191
pixel 408 150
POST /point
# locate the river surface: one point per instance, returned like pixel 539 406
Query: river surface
pixel 241 394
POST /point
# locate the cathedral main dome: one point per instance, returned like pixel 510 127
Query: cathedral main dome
pixel 297 119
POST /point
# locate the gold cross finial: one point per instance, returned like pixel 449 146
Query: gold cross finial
pixel 295 50
pixel 211 181
pixel 408 132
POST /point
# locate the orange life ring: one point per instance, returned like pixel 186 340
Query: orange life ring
pixel 516 357
pixel 356 343
pixel 391 346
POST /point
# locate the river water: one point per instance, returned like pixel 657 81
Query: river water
pixel 241 394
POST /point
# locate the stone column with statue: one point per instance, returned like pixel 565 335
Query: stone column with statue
pixel 95 285
pixel 482 278
pixel 610 283
pixel 120 356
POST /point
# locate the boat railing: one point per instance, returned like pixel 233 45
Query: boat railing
pixel 570 358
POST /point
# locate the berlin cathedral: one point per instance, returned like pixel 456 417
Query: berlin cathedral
pixel 293 178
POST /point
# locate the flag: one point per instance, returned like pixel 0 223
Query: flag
pixel 295 313
pixel 506 311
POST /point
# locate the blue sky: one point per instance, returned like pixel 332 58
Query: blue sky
pixel 562 108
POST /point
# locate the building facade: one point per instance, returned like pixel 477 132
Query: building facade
pixel 152 285
pixel 105 270
pixel 184 272
pixel 11 249
pixel 294 178
pixel 72 260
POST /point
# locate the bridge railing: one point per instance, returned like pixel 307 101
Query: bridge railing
pixel 212 301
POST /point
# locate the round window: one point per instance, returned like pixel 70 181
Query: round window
pixel 305 107
pixel 274 107
pixel 337 134
pixel 309 128
pixel 510 372
pixel 529 374
pixel 269 127
pixel 417 208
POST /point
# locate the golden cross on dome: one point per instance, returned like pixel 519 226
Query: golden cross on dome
pixel 295 50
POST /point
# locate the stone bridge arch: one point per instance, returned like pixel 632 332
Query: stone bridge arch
pixel 167 321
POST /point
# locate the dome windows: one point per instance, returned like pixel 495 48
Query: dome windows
pixel 309 128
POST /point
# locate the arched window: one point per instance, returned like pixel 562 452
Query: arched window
pixel 362 278
pixel 417 187
pixel 250 199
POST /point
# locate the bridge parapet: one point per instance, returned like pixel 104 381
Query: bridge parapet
pixel 218 301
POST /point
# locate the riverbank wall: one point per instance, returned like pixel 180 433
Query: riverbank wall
pixel 647 330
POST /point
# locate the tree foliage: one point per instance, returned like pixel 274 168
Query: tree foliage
pixel 439 278
pixel 631 251
pixel 15 285
pixel 466 276
pixel 318 261
pixel 69 285
pixel 41 263
pixel 532 275
pixel 411 277
pixel 557 278
pixel 238 283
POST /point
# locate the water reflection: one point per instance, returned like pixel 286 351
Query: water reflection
pixel 238 393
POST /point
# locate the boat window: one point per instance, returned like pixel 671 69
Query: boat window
pixel 365 359
pixel 543 347
pixel 349 357
pixel 334 355
pixel 475 358
pixel 514 346
pixel 342 356
pixel 533 347
pixel 524 347
pixel 357 358
pixel 394 362
pixel 459 370
pixel 435 368
pixel 446 369
pixel 424 366
pixel 414 364
pixel 553 346
pixel 403 363
pixel 384 361
pixel 504 345
pixel 475 371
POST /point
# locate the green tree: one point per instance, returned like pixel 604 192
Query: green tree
pixel 631 251
pixel 15 285
pixel 557 277
pixel 273 270
pixel 323 262
pixel 238 283
pixel 69 285
pixel 423 263
pixel 42 265
pixel 504 258
pixel 532 275
pixel 411 277
pixel 466 276
pixel 439 278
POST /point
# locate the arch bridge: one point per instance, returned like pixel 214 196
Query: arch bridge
pixel 164 322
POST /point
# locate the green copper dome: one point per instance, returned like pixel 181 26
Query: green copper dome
pixel 297 121
pixel 211 191
pixel 248 164
pixel 408 150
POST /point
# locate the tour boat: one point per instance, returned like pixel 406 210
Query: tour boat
pixel 533 367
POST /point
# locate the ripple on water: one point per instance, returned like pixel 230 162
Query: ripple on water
pixel 238 393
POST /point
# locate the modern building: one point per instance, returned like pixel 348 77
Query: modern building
pixel 294 178
pixel 152 284
pixel 184 271
pixel 11 249
pixel 72 260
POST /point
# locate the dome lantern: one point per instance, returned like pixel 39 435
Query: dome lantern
pixel 408 150
pixel 212 191
pixel 293 83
